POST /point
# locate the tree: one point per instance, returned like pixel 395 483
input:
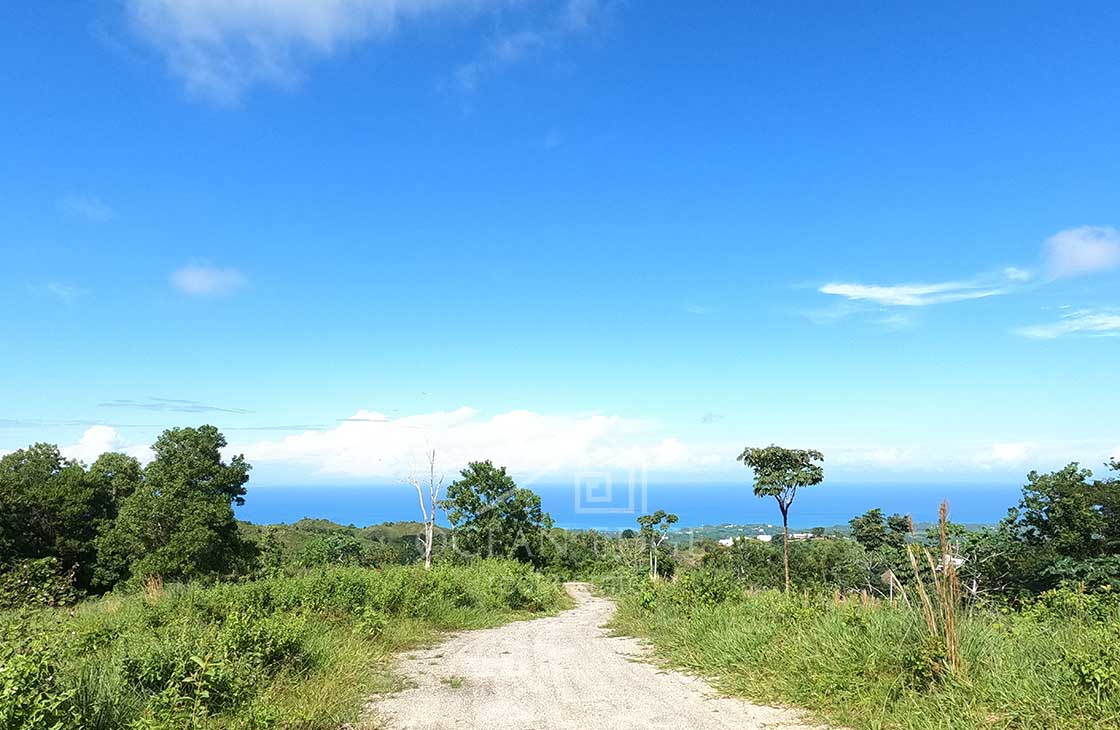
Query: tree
pixel 429 501
pixel 655 530
pixel 50 507
pixel 179 522
pixel 333 548
pixel 874 532
pixel 493 517
pixel 778 473
pixel 1065 512
pixel 869 530
pixel 898 527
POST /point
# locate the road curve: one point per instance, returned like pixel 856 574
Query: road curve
pixel 558 673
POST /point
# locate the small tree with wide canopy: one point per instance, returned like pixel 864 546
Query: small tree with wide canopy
pixel 778 472
pixel 655 530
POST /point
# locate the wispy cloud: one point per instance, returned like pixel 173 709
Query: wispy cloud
pixel 1082 250
pixel 65 292
pixel 1086 322
pixel 913 295
pixel 86 207
pixel 172 405
pixel 207 281
pixel 513 47
pixel 699 309
pixel 1070 252
pixel 221 48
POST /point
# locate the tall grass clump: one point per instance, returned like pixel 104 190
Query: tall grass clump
pixel 283 652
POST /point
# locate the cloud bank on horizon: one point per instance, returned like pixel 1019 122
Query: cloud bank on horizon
pixel 371 446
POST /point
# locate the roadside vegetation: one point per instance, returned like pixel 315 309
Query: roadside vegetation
pixel 130 597
pixel 1016 626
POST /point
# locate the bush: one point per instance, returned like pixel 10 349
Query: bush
pixel 30 693
pixel 38 582
pixel 234 655
pixel 708 587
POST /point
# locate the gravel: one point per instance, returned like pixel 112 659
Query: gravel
pixel 555 673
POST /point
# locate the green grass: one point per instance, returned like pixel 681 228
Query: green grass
pixel 286 652
pixel 1053 666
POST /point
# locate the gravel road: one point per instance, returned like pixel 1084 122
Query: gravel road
pixel 556 673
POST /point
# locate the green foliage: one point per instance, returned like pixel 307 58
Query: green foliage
pixel 818 565
pixel 51 507
pixel 779 472
pixel 874 532
pixel 270 653
pixel 178 523
pixel 39 582
pixel 866 664
pixel 31 695
pixel 337 548
pixel 708 587
pixel 493 517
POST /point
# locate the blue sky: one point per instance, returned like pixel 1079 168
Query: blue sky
pixel 569 236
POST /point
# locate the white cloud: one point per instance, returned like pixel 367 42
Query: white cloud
pixel 207 281
pixel 912 295
pixel 1010 453
pixel 1066 253
pixel 1082 250
pixel 371 444
pixel 97 440
pixel 220 48
pixel 1078 322
pixel 86 207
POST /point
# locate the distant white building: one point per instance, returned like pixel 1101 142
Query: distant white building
pixel 729 541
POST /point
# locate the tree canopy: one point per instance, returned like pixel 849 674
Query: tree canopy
pixel 178 522
pixel 779 473
pixel 493 517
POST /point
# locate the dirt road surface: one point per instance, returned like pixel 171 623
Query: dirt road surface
pixel 556 673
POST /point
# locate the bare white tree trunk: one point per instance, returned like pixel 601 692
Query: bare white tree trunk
pixel 429 501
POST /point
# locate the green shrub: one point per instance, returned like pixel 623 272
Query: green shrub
pixel 31 696
pixel 38 582
pixel 243 655
pixel 708 587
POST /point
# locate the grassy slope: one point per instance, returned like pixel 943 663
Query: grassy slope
pixel 869 667
pixel 300 652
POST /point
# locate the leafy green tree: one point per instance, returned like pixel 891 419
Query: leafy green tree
pixel 51 508
pixel 898 527
pixel 779 473
pixel 334 548
pixel 179 522
pixel 118 475
pixel 874 532
pixel 493 517
pixel 1064 511
pixel 869 530
pixel 655 530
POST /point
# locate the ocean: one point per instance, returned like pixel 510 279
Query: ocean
pixel 599 507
